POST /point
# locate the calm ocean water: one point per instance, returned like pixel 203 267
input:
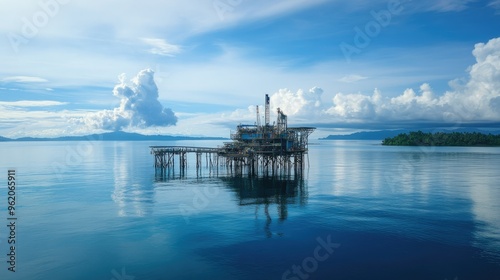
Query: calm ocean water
pixel 96 210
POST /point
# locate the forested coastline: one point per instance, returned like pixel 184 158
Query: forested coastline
pixel 420 138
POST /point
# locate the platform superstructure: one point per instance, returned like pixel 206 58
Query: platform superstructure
pixel 268 148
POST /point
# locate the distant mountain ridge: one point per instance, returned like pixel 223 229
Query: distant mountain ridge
pixel 114 136
pixel 128 136
pixel 382 134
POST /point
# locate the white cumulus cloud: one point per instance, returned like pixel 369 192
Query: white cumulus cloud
pixel 357 106
pixel 139 106
pixel 475 100
pixel 299 103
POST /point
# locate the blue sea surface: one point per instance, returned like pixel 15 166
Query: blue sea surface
pixel 98 210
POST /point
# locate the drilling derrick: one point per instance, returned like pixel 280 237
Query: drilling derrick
pixel 269 147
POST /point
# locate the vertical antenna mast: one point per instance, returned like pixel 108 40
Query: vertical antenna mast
pixel 267 110
pixel 258 115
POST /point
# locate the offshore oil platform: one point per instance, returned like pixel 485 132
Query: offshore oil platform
pixel 270 149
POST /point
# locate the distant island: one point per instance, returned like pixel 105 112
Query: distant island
pixel 114 136
pixel 383 134
pixel 420 138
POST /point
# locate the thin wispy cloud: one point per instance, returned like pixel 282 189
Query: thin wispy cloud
pixel 352 78
pixel 24 79
pixel 264 9
pixel 32 103
pixel 161 47
pixel 450 5
pixel 495 4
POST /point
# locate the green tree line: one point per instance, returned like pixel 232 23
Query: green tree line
pixel 420 138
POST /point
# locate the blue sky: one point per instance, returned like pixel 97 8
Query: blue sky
pixel 342 66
